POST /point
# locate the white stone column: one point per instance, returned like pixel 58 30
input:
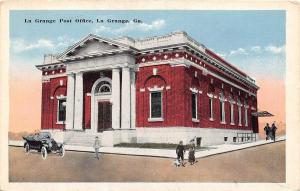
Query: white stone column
pixel 70 102
pixel 78 101
pixel 125 110
pixel 116 98
pixel 133 116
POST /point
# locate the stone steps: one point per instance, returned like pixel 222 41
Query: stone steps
pixel 81 138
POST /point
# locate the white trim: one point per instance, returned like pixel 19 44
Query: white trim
pixel 61 82
pixel 210 95
pixel 142 89
pixel 95 98
pixel 59 98
pixel 155 119
pixel 195 120
pixel 156 88
pixel 48 77
pixel 196 109
pixel 150 107
pixel 194 90
pixel 154 71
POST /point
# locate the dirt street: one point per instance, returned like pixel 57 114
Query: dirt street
pixel 258 164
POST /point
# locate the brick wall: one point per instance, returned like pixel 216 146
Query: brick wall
pixel 50 91
pixel 177 100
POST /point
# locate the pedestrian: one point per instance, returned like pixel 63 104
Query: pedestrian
pixel 96 147
pixel 180 150
pixel 267 130
pixel 273 131
pixel 192 154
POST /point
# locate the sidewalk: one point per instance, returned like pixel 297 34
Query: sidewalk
pixel 165 153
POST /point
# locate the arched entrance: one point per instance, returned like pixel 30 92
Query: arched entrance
pixel 101 115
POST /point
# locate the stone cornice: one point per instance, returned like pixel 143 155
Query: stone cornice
pixel 52 66
pixel 207 60
pixel 184 62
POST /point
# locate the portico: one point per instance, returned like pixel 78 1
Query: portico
pixel 120 113
pixel 116 88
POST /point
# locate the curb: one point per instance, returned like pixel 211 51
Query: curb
pixel 122 151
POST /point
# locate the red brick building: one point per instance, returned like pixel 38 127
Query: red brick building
pixel 158 89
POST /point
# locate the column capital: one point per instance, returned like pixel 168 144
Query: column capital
pixel 116 69
pixel 126 68
pixel 79 73
pixel 71 74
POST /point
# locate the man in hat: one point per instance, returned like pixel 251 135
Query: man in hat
pixel 180 150
pixel 267 130
pixel 97 146
pixel 273 131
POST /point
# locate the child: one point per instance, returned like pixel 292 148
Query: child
pixel 192 154
pixel 177 162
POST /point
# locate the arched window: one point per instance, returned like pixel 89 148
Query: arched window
pixel 240 111
pixel 231 101
pixel 103 87
pixel 222 107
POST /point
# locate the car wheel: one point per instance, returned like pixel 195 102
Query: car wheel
pixel 44 152
pixel 27 148
pixel 62 151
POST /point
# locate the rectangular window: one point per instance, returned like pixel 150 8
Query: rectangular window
pixel 231 113
pixel 211 112
pixel 240 115
pixel 194 106
pixel 246 117
pixel 61 117
pixel 222 111
pixel 156 105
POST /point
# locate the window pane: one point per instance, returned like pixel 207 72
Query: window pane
pixel 194 102
pixel 156 104
pixel 221 111
pixel 211 108
pixel 62 110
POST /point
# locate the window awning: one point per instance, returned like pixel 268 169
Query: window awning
pixel 262 114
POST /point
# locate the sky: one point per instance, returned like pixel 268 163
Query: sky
pixel 254 41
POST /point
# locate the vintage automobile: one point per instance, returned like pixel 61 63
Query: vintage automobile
pixel 43 143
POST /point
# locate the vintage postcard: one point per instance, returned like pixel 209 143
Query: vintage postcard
pixel 100 96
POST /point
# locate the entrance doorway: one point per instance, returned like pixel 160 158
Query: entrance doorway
pixel 104 115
